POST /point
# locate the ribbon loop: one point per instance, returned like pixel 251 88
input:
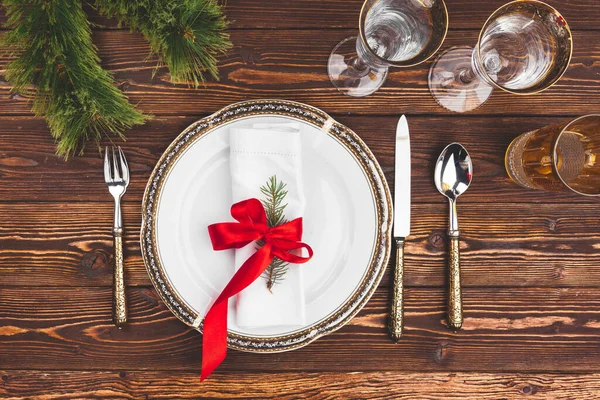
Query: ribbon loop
pixel 281 241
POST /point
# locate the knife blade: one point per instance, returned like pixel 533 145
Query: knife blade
pixel 402 195
pixel 402 181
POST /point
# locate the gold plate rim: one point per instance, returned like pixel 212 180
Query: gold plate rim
pixel 346 137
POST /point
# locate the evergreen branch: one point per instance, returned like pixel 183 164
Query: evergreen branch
pixel 57 66
pixel 274 193
pixel 275 272
pixel 187 35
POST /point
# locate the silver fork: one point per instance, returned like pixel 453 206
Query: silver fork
pixel 116 176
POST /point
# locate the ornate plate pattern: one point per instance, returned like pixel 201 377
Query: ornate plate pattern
pixel 320 120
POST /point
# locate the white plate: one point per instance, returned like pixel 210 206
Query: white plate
pixel 347 222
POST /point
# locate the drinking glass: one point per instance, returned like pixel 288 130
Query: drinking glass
pixel 524 48
pixel 564 156
pixel 399 33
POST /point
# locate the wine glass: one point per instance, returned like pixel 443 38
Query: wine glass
pixel 524 48
pixel 399 33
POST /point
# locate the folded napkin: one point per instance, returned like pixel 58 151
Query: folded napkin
pixel 258 153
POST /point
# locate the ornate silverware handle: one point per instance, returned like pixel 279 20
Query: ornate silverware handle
pixel 455 314
pixel 119 301
pixel 397 307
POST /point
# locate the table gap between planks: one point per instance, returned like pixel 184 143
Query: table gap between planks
pixel 531 270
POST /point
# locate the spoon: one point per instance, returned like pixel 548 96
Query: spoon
pixel 453 175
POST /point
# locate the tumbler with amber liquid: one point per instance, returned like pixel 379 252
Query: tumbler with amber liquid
pixel 563 156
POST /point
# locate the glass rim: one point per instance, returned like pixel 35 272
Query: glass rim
pixel 404 63
pixel 493 15
pixel 555 148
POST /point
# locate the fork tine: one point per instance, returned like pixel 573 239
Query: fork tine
pixel 107 175
pixel 115 166
pixel 124 166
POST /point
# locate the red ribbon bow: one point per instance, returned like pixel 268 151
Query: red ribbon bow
pixel 251 226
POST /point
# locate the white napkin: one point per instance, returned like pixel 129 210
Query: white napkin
pixel 258 153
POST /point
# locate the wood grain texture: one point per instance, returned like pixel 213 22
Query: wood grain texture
pixel 505 329
pixel 30 171
pixel 288 386
pixel 52 244
pixel 530 260
pixel 463 14
pixel 293 67
pixel 332 14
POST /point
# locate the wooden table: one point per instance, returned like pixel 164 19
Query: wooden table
pixel 531 264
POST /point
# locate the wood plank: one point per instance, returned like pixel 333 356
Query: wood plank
pixel 530 263
pixel 30 171
pixel 328 14
pixel 47 244
pixel 351 385
pixel 535 329
pixel 345 14
pixel 293 67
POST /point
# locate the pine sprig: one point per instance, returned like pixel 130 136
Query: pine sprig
pixel 275 193
pixel 187 35
pixel 58 68
pixel 273 203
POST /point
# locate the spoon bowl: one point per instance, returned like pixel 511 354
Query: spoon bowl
pixel 453 171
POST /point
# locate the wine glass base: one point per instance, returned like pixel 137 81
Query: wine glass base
pixel 454 85
pixel 349 74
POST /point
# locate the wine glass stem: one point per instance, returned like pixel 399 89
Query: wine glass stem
pixel 360 65
pixel 466 75
pixel 368 59
pixel 483 69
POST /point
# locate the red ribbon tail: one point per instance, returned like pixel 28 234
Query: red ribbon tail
pixel 214 341
pixel 279 241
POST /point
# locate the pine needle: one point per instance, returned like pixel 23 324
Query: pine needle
pixel 274 193
pixel 58 68
pixel 187 35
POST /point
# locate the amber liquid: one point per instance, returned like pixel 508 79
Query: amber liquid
pixel 535 160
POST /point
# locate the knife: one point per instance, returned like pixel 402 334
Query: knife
pixel 401 224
